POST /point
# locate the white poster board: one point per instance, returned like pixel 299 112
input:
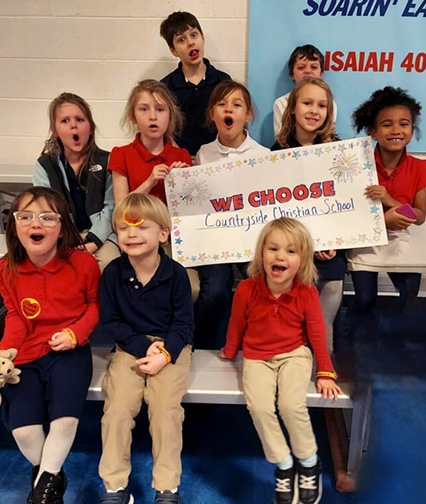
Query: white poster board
pixel 218 209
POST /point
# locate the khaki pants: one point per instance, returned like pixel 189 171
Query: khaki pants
pixel 108 252
pixel 105 254
pixel 125 387
pixel 281 382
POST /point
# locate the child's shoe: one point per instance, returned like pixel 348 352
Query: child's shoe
pixel 310 484
pixel 120 497
pixel 167 497
pixel 34 472
pixel 285 486
pixel 50 489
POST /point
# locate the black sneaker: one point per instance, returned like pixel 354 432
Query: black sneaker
pixel 167 497
pixel 285 486
pixel 34 473
pixel 50 489
pixel 310 484
pixel 120 497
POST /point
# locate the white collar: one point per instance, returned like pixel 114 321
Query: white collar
pixel 223 149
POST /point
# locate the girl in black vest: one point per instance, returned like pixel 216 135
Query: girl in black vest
pixel 72 164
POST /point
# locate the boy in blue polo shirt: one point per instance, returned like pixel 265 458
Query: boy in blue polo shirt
pixel 194 79
pixel 147 309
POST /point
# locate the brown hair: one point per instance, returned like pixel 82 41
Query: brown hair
pixel 54 145
pixel 288 122
pixel 177 23
pixel 308 51
pixel 70 237
pixel 153 87
pixel 221 91
pixel 302 240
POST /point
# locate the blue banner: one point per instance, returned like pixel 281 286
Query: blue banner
pixel 368 44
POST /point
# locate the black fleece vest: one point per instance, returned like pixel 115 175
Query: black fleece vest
pixel 96 180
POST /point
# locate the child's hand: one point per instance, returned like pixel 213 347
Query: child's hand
pixel 60 342
pixel 328 388
pixel 379 192
pixel 394 220
pixel 152 364
pixel 221 354
pixel 91 247
pixel 153 349
pixel 179 164
pixel 158 173
pixel 325 255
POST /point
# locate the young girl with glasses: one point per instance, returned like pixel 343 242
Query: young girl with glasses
pixel 50 290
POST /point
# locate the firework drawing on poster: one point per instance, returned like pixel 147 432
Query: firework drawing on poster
pixel 345 167
pixel 194 192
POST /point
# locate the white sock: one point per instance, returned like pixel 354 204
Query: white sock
pixel 310 461
pixel 57 445
pixel 286 463
pixel 30 440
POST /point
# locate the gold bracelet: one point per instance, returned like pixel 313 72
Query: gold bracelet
pixel 326 374
pixel 166 353
pixel 72 336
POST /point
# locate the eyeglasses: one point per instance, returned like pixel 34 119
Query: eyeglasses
pixel 46 219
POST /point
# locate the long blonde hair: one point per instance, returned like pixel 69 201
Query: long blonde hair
pixel 301 239
pixel 288 122
pixel 155 88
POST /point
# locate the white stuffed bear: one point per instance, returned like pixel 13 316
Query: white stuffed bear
pixel 8 372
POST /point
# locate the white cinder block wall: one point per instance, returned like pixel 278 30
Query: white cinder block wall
pixel 97 49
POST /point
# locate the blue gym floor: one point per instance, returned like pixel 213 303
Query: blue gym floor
pixel 222 458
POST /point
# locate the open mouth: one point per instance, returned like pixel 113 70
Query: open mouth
pixel 277 268
pixel 37 237
pixel 194 53
pixel 229 121
pixel 75 137
pixel 153 126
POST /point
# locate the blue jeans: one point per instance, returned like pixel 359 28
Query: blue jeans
pixel 213 306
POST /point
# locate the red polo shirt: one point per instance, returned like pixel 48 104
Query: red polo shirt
pixel 42 301
pixel 267 326
pixel 406 180
pixel 136 163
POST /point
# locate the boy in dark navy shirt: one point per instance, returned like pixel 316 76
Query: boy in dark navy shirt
pixel 194 79
pixel 147 309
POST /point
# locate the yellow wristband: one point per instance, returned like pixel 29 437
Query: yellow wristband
pixel 166 353
pixel 72 336
pixel 326 374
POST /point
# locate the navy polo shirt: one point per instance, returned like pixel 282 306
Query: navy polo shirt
pixel 193 100
pixel 162 308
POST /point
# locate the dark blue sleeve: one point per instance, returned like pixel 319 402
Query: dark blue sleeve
pixel 112 318
pixel 182 327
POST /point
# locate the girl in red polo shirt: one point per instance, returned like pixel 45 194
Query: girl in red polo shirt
pixel 276 313
pixel 51 294
pixel 390 116
pixel 142 165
